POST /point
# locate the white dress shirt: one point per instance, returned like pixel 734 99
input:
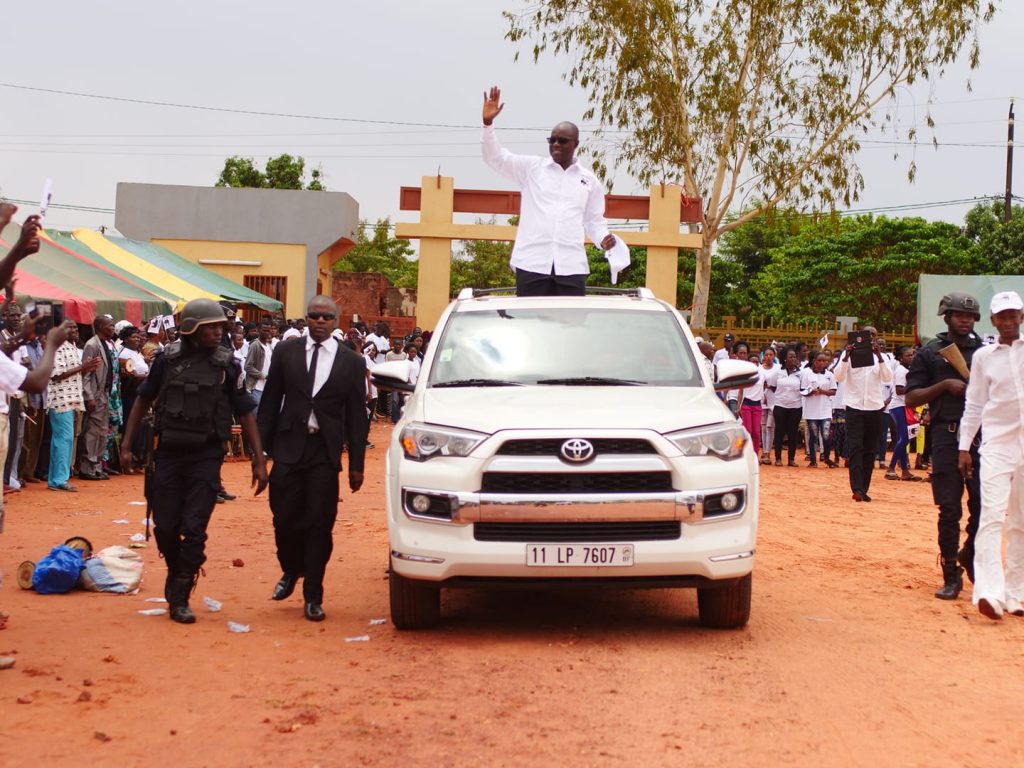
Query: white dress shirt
pixel 324 362
pixel 863 386
pixel 558 205
pixel 12 375
pixel 995 401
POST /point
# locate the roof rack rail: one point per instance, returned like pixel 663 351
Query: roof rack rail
pixel 591 290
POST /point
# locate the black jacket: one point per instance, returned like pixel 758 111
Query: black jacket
pixel 340 406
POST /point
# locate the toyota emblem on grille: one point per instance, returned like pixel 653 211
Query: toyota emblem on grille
pixel 577 450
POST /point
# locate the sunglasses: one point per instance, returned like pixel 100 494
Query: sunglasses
pixel 560 140
pixel 320 315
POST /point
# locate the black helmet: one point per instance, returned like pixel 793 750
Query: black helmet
pixel 959 302
pixel 200 312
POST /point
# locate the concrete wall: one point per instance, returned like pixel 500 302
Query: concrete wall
pixel 215 219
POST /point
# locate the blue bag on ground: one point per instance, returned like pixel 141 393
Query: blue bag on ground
pixel 58 571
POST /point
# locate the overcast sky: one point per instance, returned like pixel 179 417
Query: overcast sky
pixel 377 65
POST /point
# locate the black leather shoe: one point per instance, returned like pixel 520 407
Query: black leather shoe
pixel 314 612
pixel 226 496
pixel 182 614
pixel 284 588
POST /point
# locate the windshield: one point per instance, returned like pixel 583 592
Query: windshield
pixel 552 347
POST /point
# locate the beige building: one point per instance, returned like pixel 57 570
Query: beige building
pixel 279 242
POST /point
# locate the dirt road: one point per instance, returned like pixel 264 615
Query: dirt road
pixel 848 659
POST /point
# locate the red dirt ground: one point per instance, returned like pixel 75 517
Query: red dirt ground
pixel 847 660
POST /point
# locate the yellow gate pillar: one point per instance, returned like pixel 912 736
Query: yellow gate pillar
pixel 663 260
pixel 433 284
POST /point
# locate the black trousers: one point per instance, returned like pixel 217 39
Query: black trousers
pixel 304 502
pixel 862 431
pixel 787 427
pixel 184 494
pixel 536 284
pixel 948 489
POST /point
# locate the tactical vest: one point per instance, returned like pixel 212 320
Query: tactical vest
pixel 946 407
pixel 193 408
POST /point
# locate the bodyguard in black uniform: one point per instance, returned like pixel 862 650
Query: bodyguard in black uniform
pixel 934 382
pixel 194 386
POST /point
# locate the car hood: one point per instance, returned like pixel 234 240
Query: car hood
pixel 490 409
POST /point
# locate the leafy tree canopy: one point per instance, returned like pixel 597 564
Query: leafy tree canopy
pixel 745 98
pixel 281 172
pixel 376 250
pixel 1000 244
pixel 865 267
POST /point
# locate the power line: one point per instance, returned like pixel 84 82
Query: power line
pixel 234 111
pixel 374 121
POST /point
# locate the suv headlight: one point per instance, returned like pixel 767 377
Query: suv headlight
pixel 423 441
pixel 726 441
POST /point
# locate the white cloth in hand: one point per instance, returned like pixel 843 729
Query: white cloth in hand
pixel 618 258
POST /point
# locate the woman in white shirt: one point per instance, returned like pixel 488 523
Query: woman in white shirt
pixel 898 412
pixel 747 401
pixel 788 406
pixel 817 386
pixel 769 372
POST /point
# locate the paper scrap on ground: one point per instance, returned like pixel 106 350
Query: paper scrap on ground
pixel 153 612
pixel 377 622
pixel 136 503
pixel 138 537
pixel 212 605
pixel 358 639
pixel 120 522
pixel 155 600
pixel 234 626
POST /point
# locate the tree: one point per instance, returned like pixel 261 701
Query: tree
pixel 282 172
pixel 863 267
pixel 241 172
pixel 482 264
pixel 1000 244
pixel 743 98
pixel 380 252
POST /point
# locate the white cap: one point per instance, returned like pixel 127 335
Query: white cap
pixel 1006 300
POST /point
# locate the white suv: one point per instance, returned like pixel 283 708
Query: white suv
pixel 568 440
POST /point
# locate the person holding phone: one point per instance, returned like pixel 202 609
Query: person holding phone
pixel 864 405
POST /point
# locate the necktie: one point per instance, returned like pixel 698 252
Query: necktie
pixel 312 367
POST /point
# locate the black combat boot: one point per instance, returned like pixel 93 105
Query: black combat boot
pixel 953 578
pixel 178 593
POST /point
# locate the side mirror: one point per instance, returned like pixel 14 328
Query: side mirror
pixel 734 374
pixel 393 376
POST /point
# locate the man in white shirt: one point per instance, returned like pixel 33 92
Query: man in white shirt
pixel 726 350
pixel 995 404
pixel 560 201
pixel 380 339
pixel 862 399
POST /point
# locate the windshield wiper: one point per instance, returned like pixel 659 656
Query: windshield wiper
pixel 478 383
pixel 593 381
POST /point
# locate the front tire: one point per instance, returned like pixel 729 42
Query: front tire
pixel 414 604
pixel 725 607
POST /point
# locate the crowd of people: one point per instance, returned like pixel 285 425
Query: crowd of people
pixel 863 405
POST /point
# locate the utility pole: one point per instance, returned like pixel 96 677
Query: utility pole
pixel 1007 211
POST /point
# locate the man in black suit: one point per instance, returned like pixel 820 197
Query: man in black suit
pixel 314 401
